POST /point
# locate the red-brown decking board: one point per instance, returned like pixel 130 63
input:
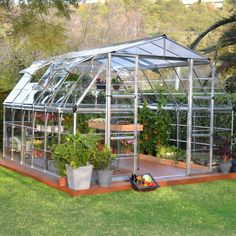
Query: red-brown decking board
pixel 163 179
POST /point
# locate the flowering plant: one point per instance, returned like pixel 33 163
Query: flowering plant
pixel 38 143
pixel 41 117
pixel 127 145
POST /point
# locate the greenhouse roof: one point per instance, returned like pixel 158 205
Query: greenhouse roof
pixel 152 52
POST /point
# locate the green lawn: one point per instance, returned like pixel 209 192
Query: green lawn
pixel 28 207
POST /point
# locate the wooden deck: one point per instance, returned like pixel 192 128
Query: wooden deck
pixel 165 176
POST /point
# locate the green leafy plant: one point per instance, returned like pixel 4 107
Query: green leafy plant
pixel 116 80
pixel 156 129
pixel 101 159
pixel 170 152
pixel 76 151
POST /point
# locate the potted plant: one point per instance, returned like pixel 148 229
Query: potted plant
pixel 38 148
pixel 116 83
pixel 75 154
pixel 60 164
pixel 101 160
pixel 234 154
pixel 101 84
pixel 224 152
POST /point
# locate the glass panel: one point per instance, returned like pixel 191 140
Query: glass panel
pixel 15 143
pixel 7 140
pixel 27 145
pixel 13 94
pixel 22 96
pixel 32 96
pixel 155 50
pixel 50 90
pixel 23 81
pixel 180 50
pixel 86 71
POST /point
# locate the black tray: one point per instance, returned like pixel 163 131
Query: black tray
pixel 140 185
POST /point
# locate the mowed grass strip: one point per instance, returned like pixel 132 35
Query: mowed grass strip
pixel 31 208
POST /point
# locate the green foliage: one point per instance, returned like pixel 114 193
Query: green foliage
pixel 101 159
pixel 170 152
pixel 178 210
pixel 76 151
pixel 230 84
pixel 46 37
pixel 38 7
pixel 155 131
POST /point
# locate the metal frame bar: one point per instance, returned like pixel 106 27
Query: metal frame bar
pixel 108 103
pixel 169 58
pixel 34 113
pixel 12 130
pixel 212 117
pixel 4 132
pixel 136 113
pixel 189 121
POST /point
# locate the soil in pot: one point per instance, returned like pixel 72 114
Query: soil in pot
pixel 104 177
pixel 116 87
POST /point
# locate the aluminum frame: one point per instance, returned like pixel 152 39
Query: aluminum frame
pixel 129 62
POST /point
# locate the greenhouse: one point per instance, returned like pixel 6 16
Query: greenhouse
pixel 105 90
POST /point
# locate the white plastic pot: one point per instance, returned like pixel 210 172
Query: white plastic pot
pixel 80 178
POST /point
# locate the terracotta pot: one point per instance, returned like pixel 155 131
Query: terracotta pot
pixel 116 87
pixel 38 153
pixel 62 181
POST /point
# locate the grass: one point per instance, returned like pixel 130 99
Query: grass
pixel 28 207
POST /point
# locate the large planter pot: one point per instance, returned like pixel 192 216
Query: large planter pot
pixel 225 167
pixel 104 177
pixel 234 165
pixel 80 178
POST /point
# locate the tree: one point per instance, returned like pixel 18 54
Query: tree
pixel 224 49
pixel 218 24
pixel 41 7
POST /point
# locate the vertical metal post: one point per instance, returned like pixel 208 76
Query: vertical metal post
pixel 232 130
pixel 4 132
pixel 189 122
pixel 33 136
pixel 177 127
pixel 12 130
pixel 74 122
pixel 108 103
pixel 135 114
pixel 45 140
pixel 22 137
pixel 212 117
pixel 59 127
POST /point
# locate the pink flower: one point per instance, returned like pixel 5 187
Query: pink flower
pixel 130 141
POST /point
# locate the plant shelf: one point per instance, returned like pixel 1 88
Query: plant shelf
pixel 125 128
